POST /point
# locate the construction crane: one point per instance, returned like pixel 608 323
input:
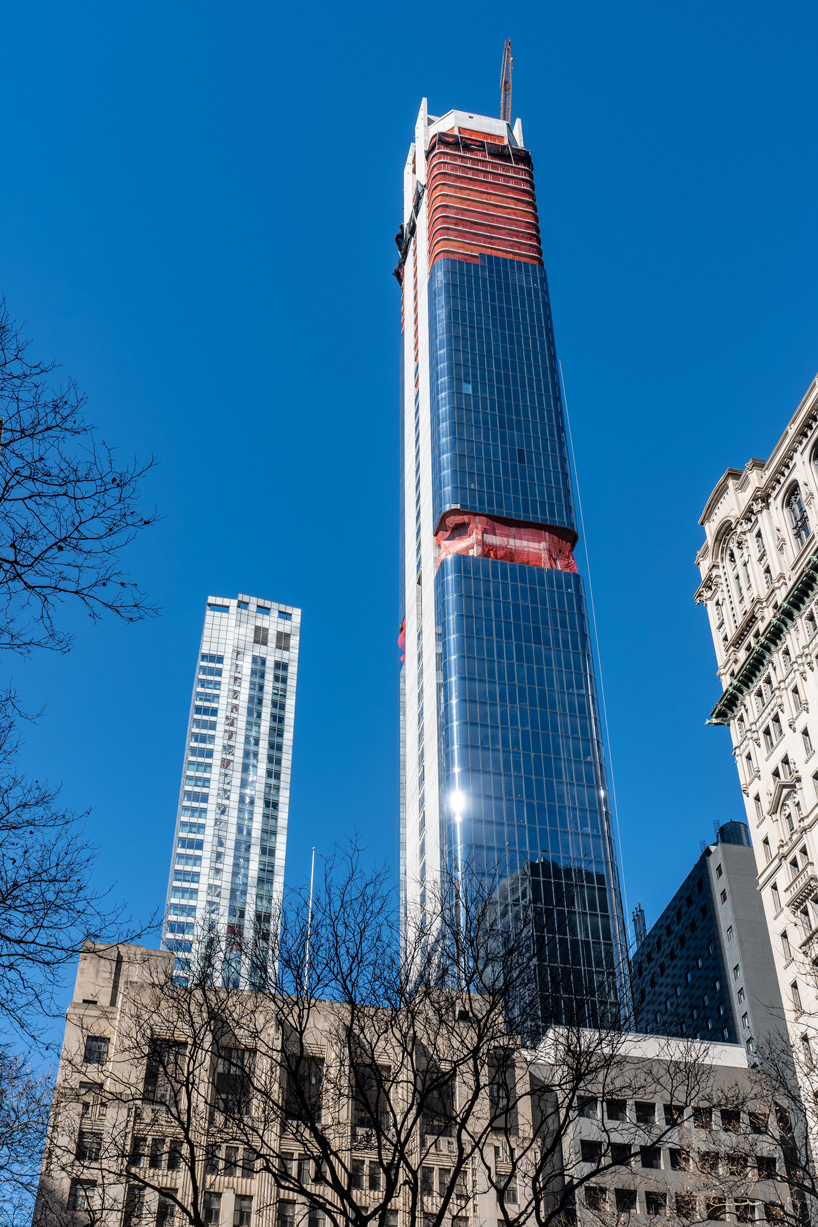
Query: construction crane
pixel 505 84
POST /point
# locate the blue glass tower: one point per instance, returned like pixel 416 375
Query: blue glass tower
pixel 502 761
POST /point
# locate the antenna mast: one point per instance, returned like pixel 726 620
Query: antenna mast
pixel 505 84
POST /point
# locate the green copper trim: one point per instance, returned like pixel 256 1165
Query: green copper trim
pixel 794 604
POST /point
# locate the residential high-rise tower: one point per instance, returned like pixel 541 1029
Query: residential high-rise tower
pixel 502 763
pixel 231 829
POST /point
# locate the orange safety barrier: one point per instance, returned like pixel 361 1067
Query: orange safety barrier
pixel 463 532
pixel 480 201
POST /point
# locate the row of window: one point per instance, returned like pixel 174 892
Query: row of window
pixel 660 1204
pixel 646 1112
pixel 675 1159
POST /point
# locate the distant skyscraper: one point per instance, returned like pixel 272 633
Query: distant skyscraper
pixel 231 829
pixel 502 760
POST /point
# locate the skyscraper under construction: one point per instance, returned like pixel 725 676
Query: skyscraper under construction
pixel 502 765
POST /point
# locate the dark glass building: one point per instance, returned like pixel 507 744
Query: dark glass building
pixel 503 768
pixel 705 969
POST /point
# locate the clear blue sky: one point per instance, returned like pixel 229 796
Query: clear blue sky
pixel 198 210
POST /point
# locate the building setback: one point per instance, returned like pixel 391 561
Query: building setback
pixel 227 866
pixel 502 762
pixel 706 968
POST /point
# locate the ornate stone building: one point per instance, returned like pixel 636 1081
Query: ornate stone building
pixel 759 568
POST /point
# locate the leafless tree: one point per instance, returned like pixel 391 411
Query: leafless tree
pixel 67 505
pixel 372 1075
pixel 25 1099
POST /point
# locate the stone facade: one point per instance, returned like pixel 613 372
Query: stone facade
pixel 759 567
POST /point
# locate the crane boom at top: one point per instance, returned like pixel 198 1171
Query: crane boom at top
pixel 505 84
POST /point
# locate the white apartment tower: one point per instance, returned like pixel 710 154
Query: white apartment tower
pixel 759 568
pixel 227 867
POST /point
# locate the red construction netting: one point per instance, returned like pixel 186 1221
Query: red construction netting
pixel 462 532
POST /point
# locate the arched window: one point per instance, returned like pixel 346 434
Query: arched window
pixel 798 516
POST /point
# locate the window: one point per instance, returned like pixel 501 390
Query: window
pixel 798 516
pixel 157 1153
pixel 174 1156
pixel 778 731
pixel 745 1211
pixel 674 1114
pixel 81 1195
pixel 656 1203
pixel 785 945
pixel 741 995
pixel 734 569
pixel 686 1205
pixel 716 1210
pixel 139 1146
pixel 358 1173
pixel 759 810
pixel 285 1215
pixel 731 1121
pixel 709 1162
pixel 589 1108
pixel 807 739
pixel 766 1166
pixel 768 855
pixel 134 1205
pixel 679 1160
pixel 234 1069
pixel 650 1156
pixel 96 1049
pixel 723 896
pixel 165 1207
pixel 621 1154
pixel 703 1118
pixel 374 1177
pixel 164 1068
pixel 736 972
pixel 806 1051
pixel 212 1207
pixel 89 1146
pixel 730 933
pixel 427 1181
pixel 590 1152
pixel 625 1201
pixel 774 1212
pixel 645 1113
pixel 769 740
pixel 616 1109
pixel 786 767
pixel 243 1211
pixel 776 897
pixel 795 992
pixel 796 698
pixel 596 1198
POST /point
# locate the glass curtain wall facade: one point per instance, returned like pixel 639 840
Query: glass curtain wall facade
pixel 503 770
pixel 227 870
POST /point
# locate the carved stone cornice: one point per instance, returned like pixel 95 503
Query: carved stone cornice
pixel 792 606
